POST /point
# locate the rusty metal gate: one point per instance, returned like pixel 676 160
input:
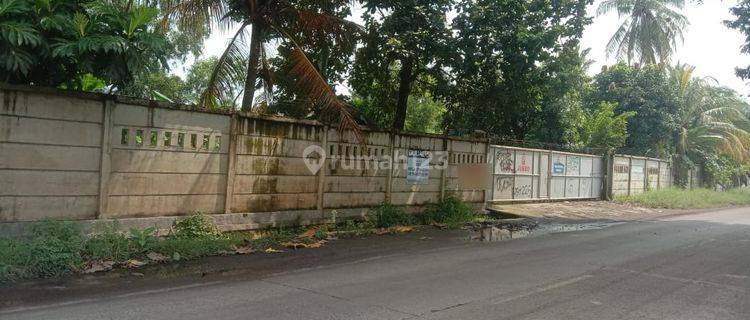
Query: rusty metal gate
pixel 533 174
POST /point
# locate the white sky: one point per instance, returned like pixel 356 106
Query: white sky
pixel 710 46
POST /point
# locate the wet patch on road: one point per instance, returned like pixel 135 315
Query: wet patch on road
pixel 507 229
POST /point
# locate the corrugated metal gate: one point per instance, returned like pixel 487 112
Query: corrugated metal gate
pixel 533 174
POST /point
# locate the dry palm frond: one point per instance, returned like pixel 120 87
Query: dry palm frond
pixel 229 70
pixel 312 85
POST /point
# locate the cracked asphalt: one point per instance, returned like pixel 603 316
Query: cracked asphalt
pixel 682 267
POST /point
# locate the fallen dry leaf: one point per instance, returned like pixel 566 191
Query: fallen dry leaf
pixel 156 257
pixel 132 264
pixel 272 250
pixel 403 229
pixel 382 231
pixel 299 245
pixel 244 250
pixel 99 266
pixel 256 235
pixel 309 233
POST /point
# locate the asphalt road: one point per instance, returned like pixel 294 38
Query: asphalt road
pixel 688 267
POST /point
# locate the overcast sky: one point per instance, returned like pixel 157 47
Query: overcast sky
pixel 710 46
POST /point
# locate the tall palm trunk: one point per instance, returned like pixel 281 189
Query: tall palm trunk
pixel 252 67
pixel 404 90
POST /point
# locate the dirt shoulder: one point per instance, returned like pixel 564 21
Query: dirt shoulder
pixel 586 210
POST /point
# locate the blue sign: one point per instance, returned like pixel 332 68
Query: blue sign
pixel 558 168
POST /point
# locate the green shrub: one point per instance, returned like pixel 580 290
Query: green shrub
pixel 11 258
pixel 452 211
pixel 54 248
pixel 387 215
pixel 143 239
pixel 196 226
pixel 109 245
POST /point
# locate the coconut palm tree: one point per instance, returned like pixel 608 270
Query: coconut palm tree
pixel 269 21
pixel 650 31
pixel 713 119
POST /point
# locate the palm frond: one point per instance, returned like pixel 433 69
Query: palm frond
pixel 320 25
pixel 191 13
pixel 312 85
pixel 228 72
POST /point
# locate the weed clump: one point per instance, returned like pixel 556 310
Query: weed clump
pixel 387 216
pixel 196 226
pixel 452 212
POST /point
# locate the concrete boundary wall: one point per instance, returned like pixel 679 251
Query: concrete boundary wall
pixel 633 175
pixel 95 157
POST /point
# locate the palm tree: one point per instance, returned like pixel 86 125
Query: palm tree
pixel 270 21
pixel 650 31
pixel 713 119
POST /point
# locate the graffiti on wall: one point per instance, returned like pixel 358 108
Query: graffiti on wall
pixel 522 191
pixel 504 159
pixel 503 184
pixel 574 164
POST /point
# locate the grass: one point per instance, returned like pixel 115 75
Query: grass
pixel 688 199
pixel 56 248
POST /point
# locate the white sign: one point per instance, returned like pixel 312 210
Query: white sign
pixel 418 167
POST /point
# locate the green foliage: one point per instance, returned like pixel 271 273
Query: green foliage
pixel 714 131
pixel 158 85
pixel 648 92
pixel 424 114
pixel 689 199
pixel 109 245
pixel 387 215
pixel 506 65
pixel 452 211
pixel 741 22
pixel 406 43
pixel 53 249
pixel 186 248
pixel 602 130
pixel 196 226
pixel 59 42
pixel 143 239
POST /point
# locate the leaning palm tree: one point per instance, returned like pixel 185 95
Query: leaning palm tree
pixel 269 21
pixel 650 31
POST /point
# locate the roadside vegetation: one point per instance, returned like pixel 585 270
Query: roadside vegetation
pixel 688 199
pixel 57 248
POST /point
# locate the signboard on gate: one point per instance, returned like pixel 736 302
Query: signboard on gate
pixel 418 167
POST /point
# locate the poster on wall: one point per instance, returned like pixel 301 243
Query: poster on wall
pixel 558 167
pixel 524 162
pixel 418 167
